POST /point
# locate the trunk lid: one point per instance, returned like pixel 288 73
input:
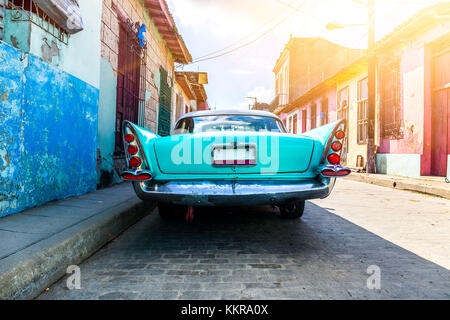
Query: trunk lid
pixel 234 153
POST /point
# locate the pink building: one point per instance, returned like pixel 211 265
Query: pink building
pixel 314 109
pixel 413 96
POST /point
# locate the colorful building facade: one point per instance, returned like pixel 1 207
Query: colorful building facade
pixel 413 91
pixel 303 64
pixel 412 105
pixel 64 93
pixel 138 80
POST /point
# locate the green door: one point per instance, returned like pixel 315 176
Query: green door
pixel 165 101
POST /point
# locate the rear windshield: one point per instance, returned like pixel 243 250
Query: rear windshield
pixel 227 123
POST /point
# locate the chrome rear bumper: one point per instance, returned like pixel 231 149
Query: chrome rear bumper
pixel 234 193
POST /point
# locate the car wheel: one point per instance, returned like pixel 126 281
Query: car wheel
pixel 170 211
pixel 293 210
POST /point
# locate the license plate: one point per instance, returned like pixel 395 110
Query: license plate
pixel 234 155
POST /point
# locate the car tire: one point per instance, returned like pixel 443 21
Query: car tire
pixel 171 212
pixel 293 210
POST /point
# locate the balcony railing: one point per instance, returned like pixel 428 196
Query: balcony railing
pixel 28 10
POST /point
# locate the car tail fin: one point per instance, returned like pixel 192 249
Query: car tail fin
pixel 332 139
pixel 327 135
pixel 136 139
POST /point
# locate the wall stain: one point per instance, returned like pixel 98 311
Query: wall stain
pixel 4 96
pixel 14 41
pixel 7 161
pixel 49 51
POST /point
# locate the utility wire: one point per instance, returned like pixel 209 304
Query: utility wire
pixel 209 57
pixel 239 40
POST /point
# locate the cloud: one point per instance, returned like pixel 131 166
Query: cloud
pixel 224 18
pixel 210 25
pixel 262 94
pixel 240 72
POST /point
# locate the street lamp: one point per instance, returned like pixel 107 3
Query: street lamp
pixel 371 161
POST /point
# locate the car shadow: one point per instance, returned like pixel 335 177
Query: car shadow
pixel 251 253
pixel 337 255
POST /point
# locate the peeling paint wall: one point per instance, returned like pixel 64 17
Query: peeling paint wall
pixel 79 57
pixel 48 132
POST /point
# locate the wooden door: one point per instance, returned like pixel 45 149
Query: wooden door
pixel 165 101
pixel 128 81
pixel 440 132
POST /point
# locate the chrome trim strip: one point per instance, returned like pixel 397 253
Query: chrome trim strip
pixel 234 193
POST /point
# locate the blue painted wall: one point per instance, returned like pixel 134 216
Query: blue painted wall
pixel 48 132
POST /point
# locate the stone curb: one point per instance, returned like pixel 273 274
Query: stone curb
pixel 26 274
pixel 401 184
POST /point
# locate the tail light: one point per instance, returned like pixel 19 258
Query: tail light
pixel 335 173
pixel 129 138
pixel 137 177
pixel 340 135
pixel 334 158
pixel 135 162
pixel 332 155
pixel 132 149
pixel 336 146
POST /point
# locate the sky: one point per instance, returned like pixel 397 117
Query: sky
pixel 211 25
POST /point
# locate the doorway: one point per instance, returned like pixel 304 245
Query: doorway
pixel 440 130
pixel 130 77
pixel 165 101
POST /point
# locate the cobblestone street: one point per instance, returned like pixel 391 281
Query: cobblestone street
pixel 253 254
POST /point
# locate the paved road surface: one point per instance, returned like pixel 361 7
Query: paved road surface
pixel 252 254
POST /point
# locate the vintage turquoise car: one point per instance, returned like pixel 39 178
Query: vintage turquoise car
pixel 233 158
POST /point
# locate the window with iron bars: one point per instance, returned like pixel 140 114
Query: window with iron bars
pixel 131 79
pixel 391 109
pixel 28 10
pixel 363 111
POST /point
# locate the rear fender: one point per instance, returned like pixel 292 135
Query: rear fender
pixel 324 138
pixel 144 140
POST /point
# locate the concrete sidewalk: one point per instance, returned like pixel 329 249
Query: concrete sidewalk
pixel 37 246
pixel 430 186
